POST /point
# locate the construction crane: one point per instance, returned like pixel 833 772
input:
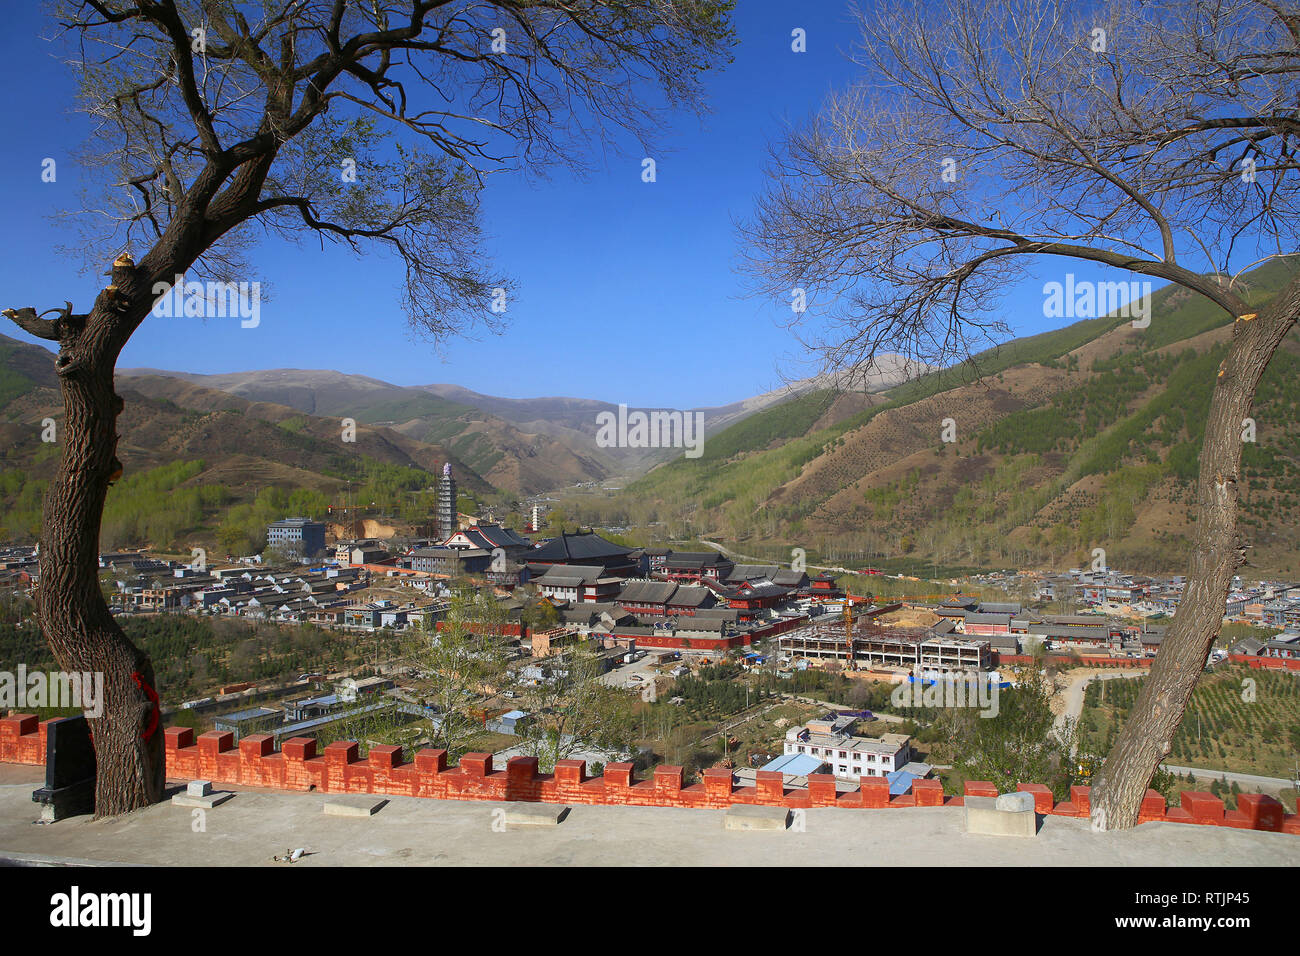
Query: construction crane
pixel 848 631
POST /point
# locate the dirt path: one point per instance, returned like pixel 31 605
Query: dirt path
pixel 1068 700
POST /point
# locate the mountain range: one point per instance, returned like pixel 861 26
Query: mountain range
pixel 1081 438
pixel 521 446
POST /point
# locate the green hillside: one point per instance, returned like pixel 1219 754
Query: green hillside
pixel 215 475
pixel 1087 436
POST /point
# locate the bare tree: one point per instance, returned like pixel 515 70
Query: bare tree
pixel 213 129
pixel 1154 137
pixel 571 709
pixel 462 660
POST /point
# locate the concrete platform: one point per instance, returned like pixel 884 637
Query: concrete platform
pixel 361 805
pixel 417 832
pixel 746 817
pixel 535 814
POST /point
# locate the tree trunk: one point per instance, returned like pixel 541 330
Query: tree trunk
pixel 70 606
pixel 1148 733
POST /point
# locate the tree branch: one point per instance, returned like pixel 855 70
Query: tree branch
pixel 29 321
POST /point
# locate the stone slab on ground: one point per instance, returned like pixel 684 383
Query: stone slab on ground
pixel 198 788
pixel 745 816
pixel 535 814
pixel 983 817
pixel 1020 800
pixel 358 806
pixel 206 802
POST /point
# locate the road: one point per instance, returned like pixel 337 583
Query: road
pixel 1077 682
pixel 1244 779
pixel 887 718
pixel 753 560
pixel 645 668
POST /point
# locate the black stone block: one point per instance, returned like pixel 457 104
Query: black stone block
pixel 69 770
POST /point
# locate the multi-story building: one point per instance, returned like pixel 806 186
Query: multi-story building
pixel 450 561
pixel 1282 613
pixel 832 740
pixel 489 537
pixel 656 558
pixel 297 536
pixel 896 647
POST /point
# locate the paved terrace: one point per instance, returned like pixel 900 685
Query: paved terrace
pixel 258 824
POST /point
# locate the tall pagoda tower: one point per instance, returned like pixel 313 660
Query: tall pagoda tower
pixel 447 522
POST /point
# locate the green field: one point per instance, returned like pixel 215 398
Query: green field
pixel 1224 728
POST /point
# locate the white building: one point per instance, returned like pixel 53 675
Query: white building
pixel 832 741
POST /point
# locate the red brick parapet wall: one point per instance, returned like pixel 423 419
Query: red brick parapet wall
pixel 1266 663
pixel 1080 661
pixel 297 766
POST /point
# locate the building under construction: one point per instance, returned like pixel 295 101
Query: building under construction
pixel 864 644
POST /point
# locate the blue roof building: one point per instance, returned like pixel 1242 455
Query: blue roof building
pixel 795 765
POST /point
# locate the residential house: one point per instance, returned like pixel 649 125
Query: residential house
pixel 831 739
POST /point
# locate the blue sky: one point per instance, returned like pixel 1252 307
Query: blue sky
pixel 628 291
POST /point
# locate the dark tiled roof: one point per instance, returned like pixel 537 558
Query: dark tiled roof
pixel 694 559
pixel 717 614
pixel 987 607
pixel 647 592
pixel 747 572
pixel 571 575
pixel 690 597
pixel 1073 633
pixel 790 578
pixel 576 547
pixel 489 536
pixel 762 591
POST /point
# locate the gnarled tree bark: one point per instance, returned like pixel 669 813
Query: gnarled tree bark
pixel 192 157
pixel 71 609
pixel 1148 734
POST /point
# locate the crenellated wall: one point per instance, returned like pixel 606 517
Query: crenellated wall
pixel 340 769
